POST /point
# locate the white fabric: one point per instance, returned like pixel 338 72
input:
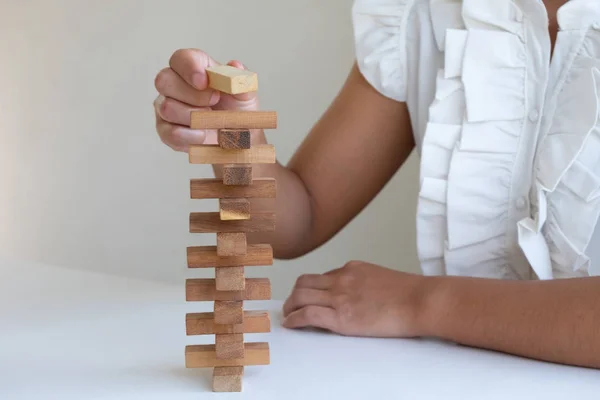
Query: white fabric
pixel 509 136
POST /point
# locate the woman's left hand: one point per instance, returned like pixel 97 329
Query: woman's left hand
pixel 359 299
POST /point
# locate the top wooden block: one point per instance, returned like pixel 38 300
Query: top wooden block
pixel 228 79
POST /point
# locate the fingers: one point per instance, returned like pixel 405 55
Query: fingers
pixel 312 316
pixel 171 85
pixel 178 137
pixel 335 272
pixel 174 111
pixel 302 297
pixel 314 281
pixel 190 65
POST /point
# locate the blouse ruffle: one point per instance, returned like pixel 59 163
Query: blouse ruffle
pixel 568 166
pixel 472 147
pixel 471 140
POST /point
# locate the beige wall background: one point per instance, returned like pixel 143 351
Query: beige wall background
pixel 86 183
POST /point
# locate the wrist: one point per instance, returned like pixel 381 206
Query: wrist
pixel 432 309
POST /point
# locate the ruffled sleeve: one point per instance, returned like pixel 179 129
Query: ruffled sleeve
pixel 380 44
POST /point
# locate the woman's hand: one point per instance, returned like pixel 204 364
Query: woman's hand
pixel 359 299
pixel 182 88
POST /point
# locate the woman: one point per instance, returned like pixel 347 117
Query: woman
pixel 501 100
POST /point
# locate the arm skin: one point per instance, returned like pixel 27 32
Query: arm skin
pixel 346 159
pixel 556 321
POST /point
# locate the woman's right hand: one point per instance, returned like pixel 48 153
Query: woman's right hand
pixel 183 87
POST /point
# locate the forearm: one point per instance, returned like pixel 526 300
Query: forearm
pixel 556 321
pixel 348 156
pixel 291 207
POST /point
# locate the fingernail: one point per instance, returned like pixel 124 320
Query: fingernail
pixel 199 81
pixel 237 64
pixel 214 98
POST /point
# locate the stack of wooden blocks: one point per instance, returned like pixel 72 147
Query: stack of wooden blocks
pixel 230 288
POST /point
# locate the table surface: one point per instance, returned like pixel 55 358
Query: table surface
pixel 68 334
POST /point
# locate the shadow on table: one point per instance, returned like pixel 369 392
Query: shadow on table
pixel 198 378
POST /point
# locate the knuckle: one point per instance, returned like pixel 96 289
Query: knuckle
pixel 293 298
pixel 299 296
pixel 351 265
pixel 189 58
pixel 343 307
pixel 160 82
pixel 346 280
pixel 340 301
pixel 180 54
pixel 302 280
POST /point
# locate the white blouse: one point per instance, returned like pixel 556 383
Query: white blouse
pixel 509 136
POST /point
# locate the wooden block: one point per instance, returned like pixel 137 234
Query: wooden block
pixel 227 379
pixel 234 209
pixel 205 356
pixel 210 222
pixel 234 138
pixel 229 346
pixel 231 80
pixel 220 119
pixel 213 154
pixel 231 244
pixel 206 290
pixel 229 312
pixel 204 324
pixel 207 257
pixel 265 188
pixel 230 279
pixel 237 174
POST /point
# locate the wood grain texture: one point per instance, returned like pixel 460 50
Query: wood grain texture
pixel 231 244
pixel 218 119
pixel 207 257
pixel 230 279
pixel 229 312
pixel 234 138
pixel 227 379
pixel 204 324
pixel 206 290
pixel 234 209
pixel 210 222
pixel 213 154
pixel 229 346
pixel 264 188
pixel 205 356
pixel 231 80
pixel 237 174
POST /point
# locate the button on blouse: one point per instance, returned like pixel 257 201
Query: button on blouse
pixel 508 136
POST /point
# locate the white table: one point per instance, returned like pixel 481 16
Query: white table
pixel 72 335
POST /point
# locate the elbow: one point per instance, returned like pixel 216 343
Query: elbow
pixel 287 256
pixel 292 251
pixel 299 246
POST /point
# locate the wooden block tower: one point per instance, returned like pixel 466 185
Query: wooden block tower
pixel 236 153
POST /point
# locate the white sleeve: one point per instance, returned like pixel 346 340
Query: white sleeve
pixel 380 44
